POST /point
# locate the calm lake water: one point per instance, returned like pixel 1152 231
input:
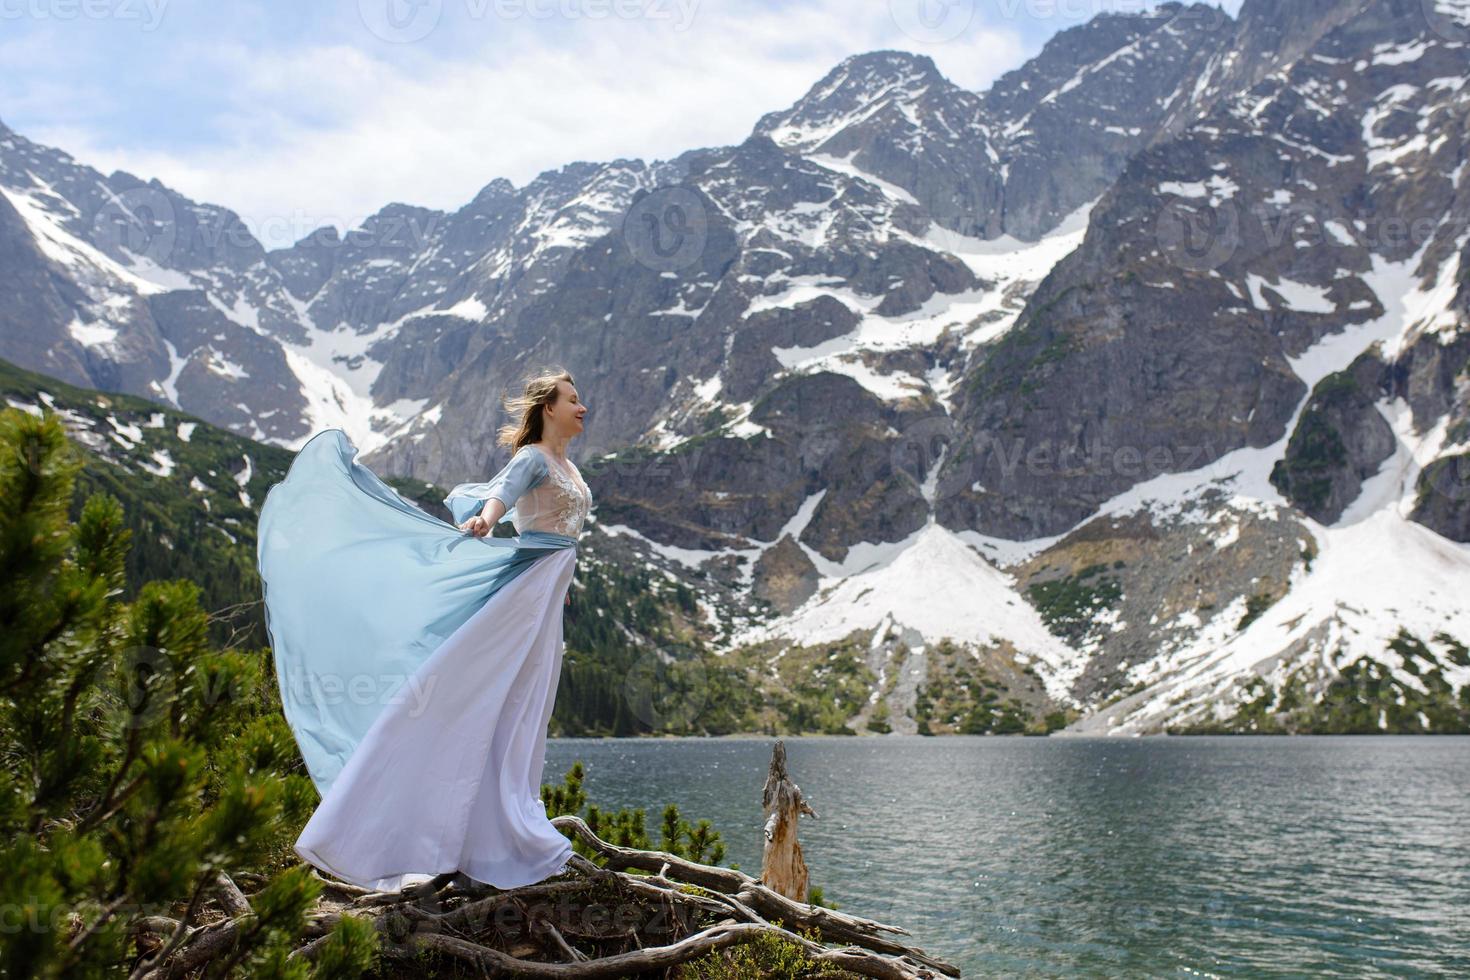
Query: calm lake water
pixel 1186 856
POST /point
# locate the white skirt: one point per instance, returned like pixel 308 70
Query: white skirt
pixel 449 776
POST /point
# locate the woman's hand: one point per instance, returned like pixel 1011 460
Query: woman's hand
pixel 477 525
pixel 484 522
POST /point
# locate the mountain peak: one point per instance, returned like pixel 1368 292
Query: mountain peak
pixel 495 192
pixel 858 83
pixel 863 77
pixel 890 61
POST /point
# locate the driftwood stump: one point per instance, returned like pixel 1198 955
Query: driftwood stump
pixel 782 868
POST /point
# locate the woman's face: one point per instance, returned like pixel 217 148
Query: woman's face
pixel 564 416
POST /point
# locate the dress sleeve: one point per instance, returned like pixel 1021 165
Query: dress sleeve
pixel 526 469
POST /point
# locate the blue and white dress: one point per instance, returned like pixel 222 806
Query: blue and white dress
pixel 418 664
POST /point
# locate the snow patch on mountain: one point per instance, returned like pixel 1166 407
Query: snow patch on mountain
pixel 1010 259
pixel 1298 296
pixel 1011 269
pixel 94 271
pixel 1374 573
pixel 844 165
pixel 935 584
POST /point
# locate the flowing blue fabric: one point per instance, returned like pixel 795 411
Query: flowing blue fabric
pixel 361 587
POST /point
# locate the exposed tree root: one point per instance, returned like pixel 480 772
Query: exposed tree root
pixel 587 922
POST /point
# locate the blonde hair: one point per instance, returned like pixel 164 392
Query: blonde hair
pixel 540 390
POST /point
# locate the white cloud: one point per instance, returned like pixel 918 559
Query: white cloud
pixel 331 133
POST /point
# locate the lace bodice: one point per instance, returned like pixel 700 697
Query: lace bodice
pixel 560 502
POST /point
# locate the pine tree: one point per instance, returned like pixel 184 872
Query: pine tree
pixel 142 766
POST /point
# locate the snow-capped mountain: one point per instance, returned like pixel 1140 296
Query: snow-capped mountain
pixel 1305 356
pixel 1132 370
pixel 1041 142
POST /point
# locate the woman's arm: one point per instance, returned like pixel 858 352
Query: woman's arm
pixel 526 469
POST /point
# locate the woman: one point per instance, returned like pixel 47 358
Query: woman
pixel 418 661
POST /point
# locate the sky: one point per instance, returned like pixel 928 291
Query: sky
pixel 302 113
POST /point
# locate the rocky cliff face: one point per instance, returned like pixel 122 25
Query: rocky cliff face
pixel 1297 254
pixel 1121 375
pixel 1217 259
